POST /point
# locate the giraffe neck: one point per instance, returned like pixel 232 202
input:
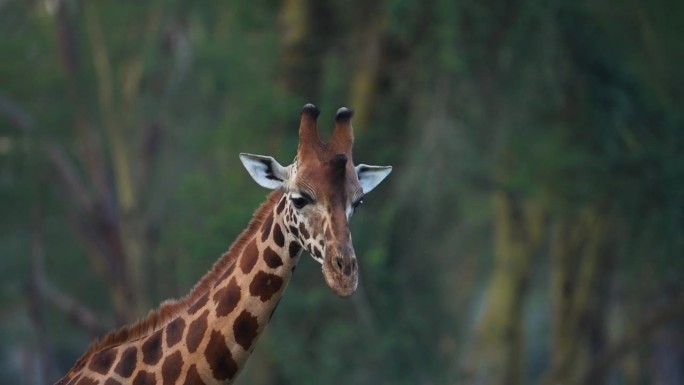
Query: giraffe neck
pixel 240 306
pixel 208 339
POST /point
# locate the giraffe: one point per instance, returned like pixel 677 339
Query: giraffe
pixel 207 336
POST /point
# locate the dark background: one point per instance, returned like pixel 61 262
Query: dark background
pixel 532 231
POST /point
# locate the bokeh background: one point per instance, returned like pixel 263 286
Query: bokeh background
pixel 532 231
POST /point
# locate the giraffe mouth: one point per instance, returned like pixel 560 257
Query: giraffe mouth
pixel 340 275
pixel 341 278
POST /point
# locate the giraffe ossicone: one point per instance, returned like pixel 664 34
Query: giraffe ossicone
pixel 207 336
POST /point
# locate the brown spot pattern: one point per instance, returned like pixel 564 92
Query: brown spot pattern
pixel 171 368
pixel 151 349
pixel 317 252
pixel 127 362
pixel 272 258
pixel 227 298
pixel 111 381
pixel 264 285
pixel 294 231
pixel 144 378
pixel 198 304
pixel 174 331
pixel 302 229
pixel 266 227
pixel 192 377
pixel 249 257
pixel 196 331
pixel 278 236
pixel 219 358
pixel 86 381
pixel 102 361
pixel 294 249
pixel 245 329
pixel 281 205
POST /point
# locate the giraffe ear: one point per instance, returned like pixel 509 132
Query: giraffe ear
pixel 265 170
pixel 371 176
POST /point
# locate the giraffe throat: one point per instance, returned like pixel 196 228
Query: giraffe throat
pixel 206 337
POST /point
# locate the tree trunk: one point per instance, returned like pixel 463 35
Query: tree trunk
pixel 498 352
pixel 306 27
pixel 106 215
pixel 578 274
pixel 364 83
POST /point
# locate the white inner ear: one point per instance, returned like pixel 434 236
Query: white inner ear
pixel 265 170
pixel 371 176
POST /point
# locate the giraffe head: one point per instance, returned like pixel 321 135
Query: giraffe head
pixel 322 189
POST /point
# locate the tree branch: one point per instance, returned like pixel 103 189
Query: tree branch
pixel 78 313
pixel 68 176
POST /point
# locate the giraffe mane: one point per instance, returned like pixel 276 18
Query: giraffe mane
pixel 170 308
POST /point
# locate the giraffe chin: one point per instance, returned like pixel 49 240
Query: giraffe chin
pixel 342 285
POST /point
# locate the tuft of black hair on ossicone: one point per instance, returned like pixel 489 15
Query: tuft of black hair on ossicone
pixel 339 162
pixel 344 114
pixel 311 110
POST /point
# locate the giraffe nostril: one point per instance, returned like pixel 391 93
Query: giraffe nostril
pixel 339 263
pixel 353 264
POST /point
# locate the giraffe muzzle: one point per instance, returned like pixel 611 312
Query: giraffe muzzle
pixel 341 273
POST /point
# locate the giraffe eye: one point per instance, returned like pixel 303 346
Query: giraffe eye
pixel 357 203
pixel 301 201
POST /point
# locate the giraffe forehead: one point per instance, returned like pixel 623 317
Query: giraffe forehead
pixel 327 182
